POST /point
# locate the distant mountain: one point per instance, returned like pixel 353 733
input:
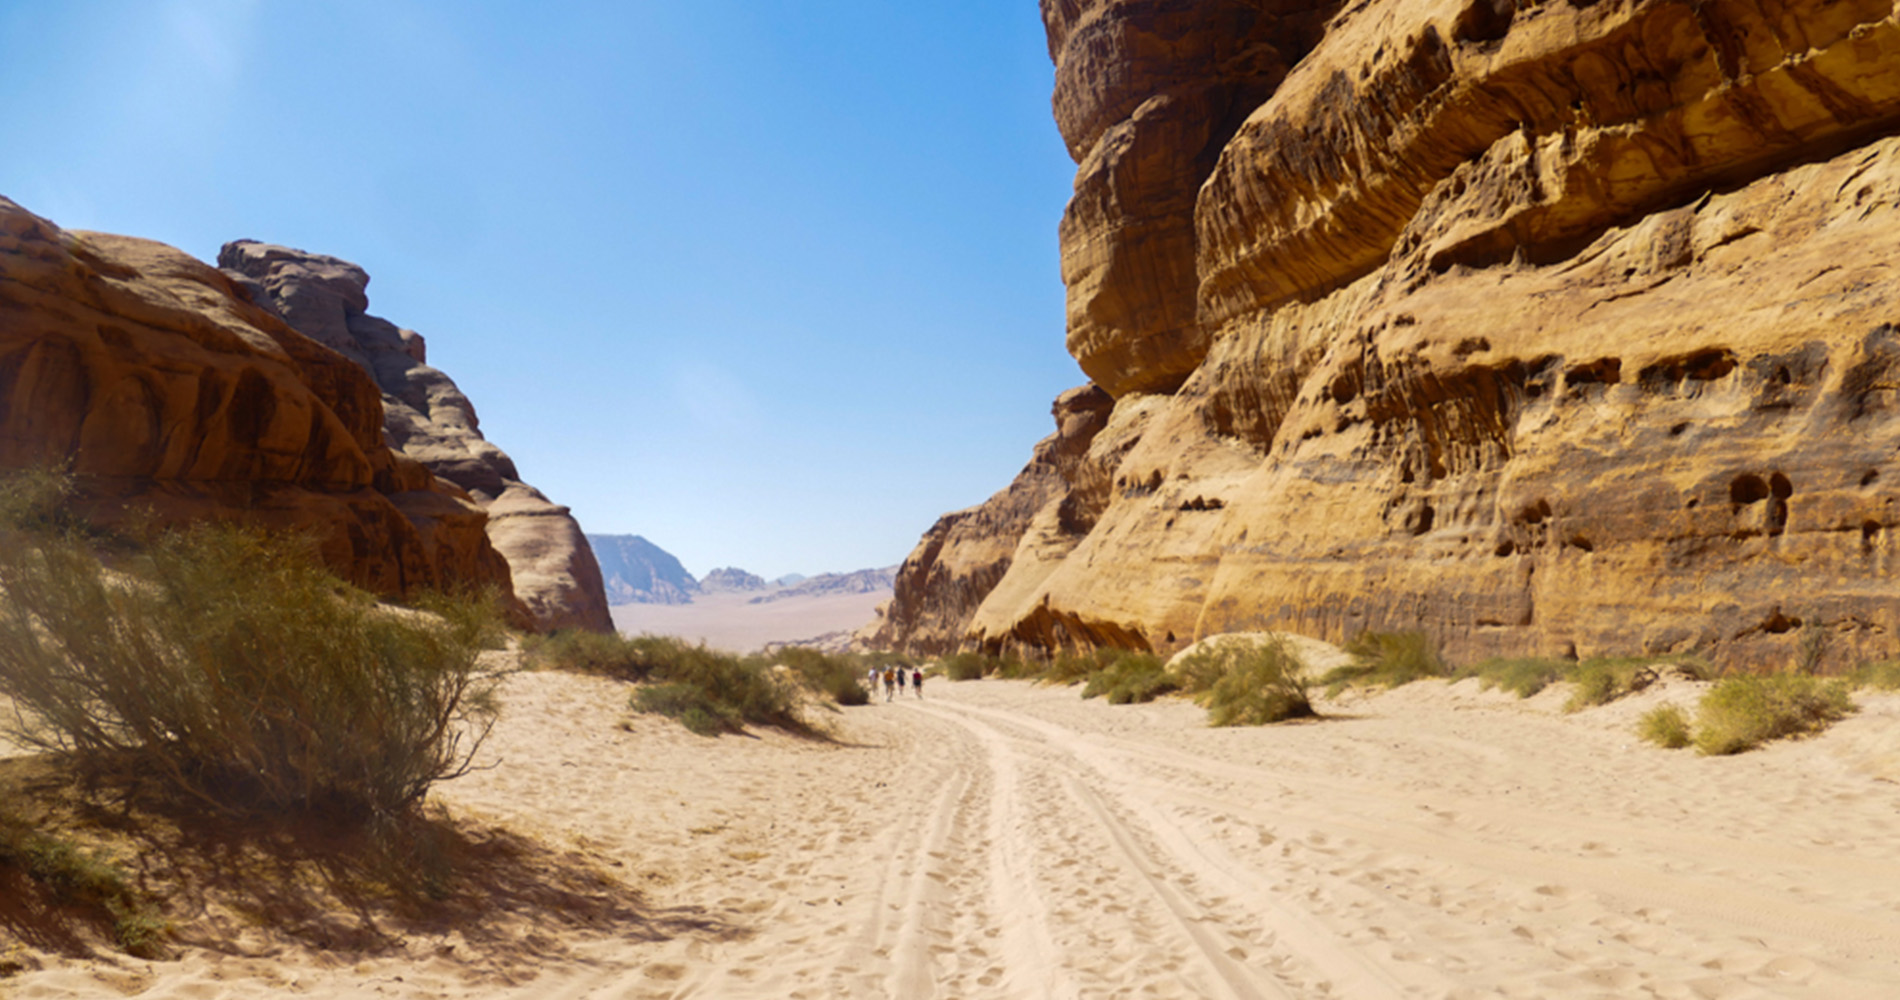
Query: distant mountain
pixel 791 578
pixel 728 578
pixel 864 581
pixel 640 572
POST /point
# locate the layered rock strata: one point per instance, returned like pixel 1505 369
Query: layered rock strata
pixel 173 398
pixel 427 418
pixel 1558 328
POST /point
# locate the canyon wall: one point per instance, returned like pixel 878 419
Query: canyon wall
pixel 427 418
pixel 1556 328
pixel 173 398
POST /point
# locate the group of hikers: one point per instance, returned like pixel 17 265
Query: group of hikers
pixel 894 680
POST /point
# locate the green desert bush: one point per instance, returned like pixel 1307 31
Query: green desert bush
pixel 1132 679
pixel 1242 684
pixel 1523 677
pixel 229 662
pixel 739 690
pixel 1666 726
pixel 967 666
pixel 839 678
pixel 1386 659
pixel 691 704
pixel 1741 713
pixel 1602 680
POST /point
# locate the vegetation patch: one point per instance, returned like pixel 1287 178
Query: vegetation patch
pixel 1741 713
pixel 1132 679
pixel 1523 677
pixel 229 663
pixel 1386 659
pixel 728 692
pixel 1246 684
pixel 1667 726
pixel 67 875
pixel 1883 675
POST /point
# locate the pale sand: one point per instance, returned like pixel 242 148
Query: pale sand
pixel 731 622
pixel 999 839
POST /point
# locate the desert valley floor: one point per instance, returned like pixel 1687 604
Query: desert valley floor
pixel 999 839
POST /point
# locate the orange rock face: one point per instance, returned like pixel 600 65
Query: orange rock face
pixel 1559 328
pixel 427 418
pixel 172 395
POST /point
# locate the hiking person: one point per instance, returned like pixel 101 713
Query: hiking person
pixel 890 683
pixel 917 680
pixel 901 679
pixel 870 682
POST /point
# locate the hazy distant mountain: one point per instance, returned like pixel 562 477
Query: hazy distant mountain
pixel 728 578
pixel 791 578
pixel 640 572
pixel 864 581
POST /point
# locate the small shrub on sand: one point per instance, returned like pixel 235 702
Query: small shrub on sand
pixel 1386 659
pixel 1741 713
pixel 230 663
pixel 967 666
pixel 1667 726
pixel 733 691
pixel 1521 677
pixel 1247 684
pixel 1132 679
pixel 839 678
pixel 1602 680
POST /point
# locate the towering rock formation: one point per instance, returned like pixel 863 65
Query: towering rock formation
pixel 171 395
pixel 1562 327
pixel 640 572
pixel 428 419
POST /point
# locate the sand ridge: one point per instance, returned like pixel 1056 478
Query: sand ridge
pixel 1000 839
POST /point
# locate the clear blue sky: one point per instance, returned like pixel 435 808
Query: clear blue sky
pixel 773 283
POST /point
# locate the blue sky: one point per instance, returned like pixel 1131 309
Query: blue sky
pixel 773 283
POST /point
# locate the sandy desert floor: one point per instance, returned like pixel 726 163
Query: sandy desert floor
pixel 998 839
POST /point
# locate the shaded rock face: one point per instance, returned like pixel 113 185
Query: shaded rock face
pixel 170 394
pixel 637 571
pixel 1558 328
pixel 428 419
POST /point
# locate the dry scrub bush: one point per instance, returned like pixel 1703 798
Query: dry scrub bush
pixel 1132 679
pixel 728 691
pixel 1247 684
pixel 1667 726
pixel 1741 713
pixel 1883 675
pixel 73 877
pixel 1521 677
pixel 967 666
pixel 230 663
pixel 1387 659
pixel 839 678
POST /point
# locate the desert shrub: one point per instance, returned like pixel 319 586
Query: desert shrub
pixel 1883 675
pixel 76 877
pixel 839 678
pixel 229 662
pixel 742 689
pixel 1244 684
pixel 1741 713
pixel 1666 726
pixel 1521 677
pixel 967 666
pixel 1815 639
pixel 1602 680
pixel 691 705
pixel 1132 679
pixel 1386 659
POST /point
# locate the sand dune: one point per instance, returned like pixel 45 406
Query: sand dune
pixel 998 839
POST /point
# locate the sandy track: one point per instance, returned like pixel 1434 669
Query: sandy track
pixel 1002 840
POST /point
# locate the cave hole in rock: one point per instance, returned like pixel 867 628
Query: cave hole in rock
pixel 1869 535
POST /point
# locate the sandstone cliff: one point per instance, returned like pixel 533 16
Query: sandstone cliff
pixel 428 419
pixel 170 394
pixel 1561 327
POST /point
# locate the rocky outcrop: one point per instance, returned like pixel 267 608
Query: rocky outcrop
pixel 863 581
pixel 1561 328
pixel 428 419
pixel 637 571
pixel 730 578
pixel 173 398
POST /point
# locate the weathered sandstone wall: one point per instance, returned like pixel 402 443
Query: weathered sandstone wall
pixel 427 418
pixel 170 394
pixel 1562 328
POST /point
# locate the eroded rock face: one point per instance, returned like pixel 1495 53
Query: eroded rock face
pixel 172 395
pixel 1559 329
pixel 428 419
